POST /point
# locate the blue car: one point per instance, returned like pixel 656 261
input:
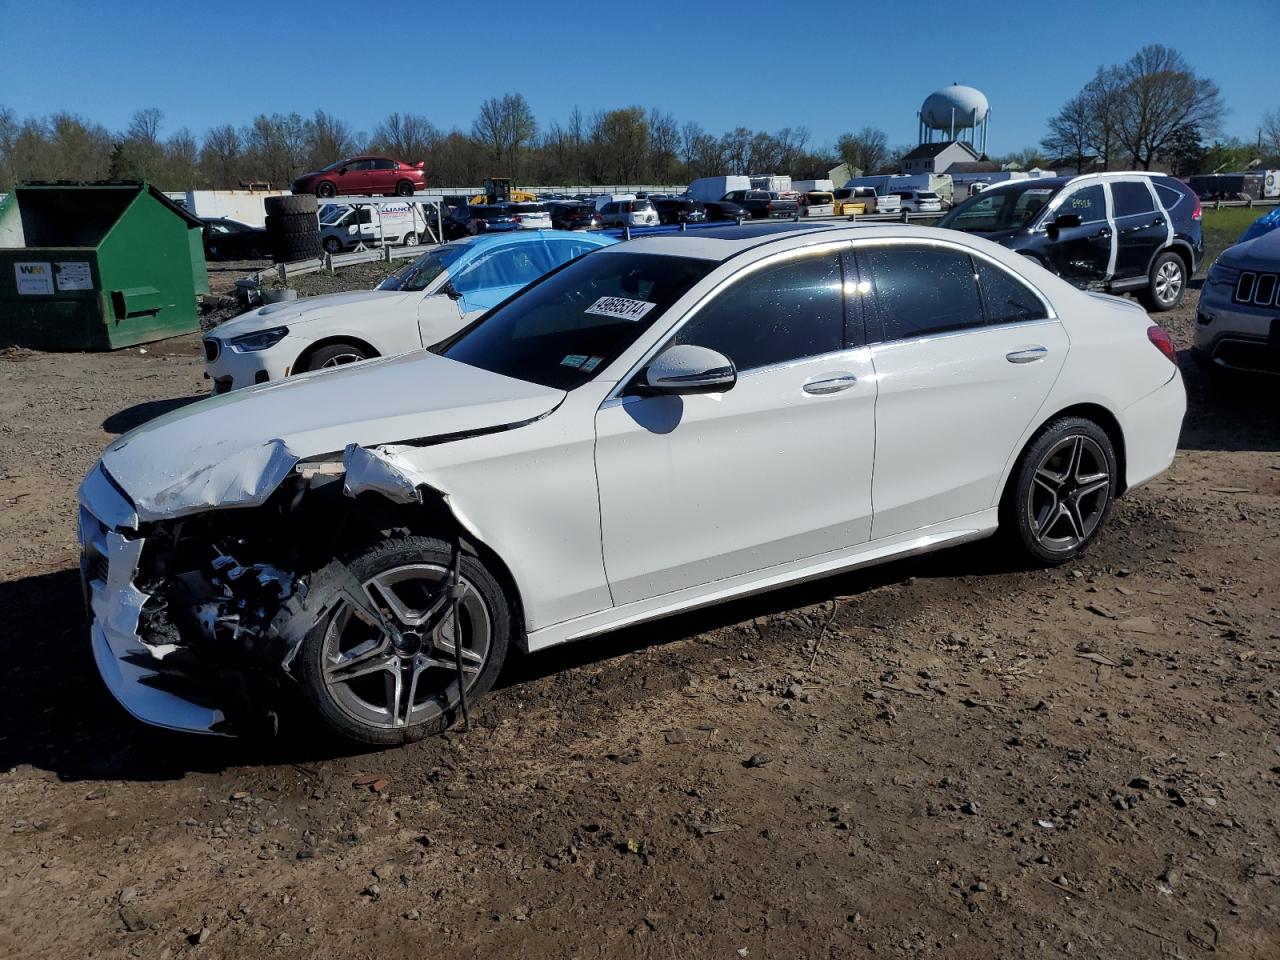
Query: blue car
pixel 421 304
pixel 1264 224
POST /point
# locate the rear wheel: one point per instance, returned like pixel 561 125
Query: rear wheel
pixel 398 681
pixel 409 239
pixel 404 189
pixel 1060 491
pixel 1166 283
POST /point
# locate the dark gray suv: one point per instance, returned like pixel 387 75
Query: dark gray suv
pixel 1118 232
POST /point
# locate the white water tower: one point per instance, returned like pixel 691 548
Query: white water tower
pixel 956 112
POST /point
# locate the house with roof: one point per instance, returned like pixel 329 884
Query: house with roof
pixel 938 157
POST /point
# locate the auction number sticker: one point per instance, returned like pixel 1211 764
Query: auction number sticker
pixel 34 279
pixel 620 308
pixel 74 275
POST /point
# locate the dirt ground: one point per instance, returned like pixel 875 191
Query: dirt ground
pixel 943 757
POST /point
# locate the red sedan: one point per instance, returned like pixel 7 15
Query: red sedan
pixel 363 175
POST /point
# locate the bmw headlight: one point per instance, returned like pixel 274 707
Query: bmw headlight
pixel 252 342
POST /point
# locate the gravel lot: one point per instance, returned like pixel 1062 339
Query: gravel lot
pixel 941 757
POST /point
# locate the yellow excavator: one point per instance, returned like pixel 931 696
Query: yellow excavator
pixel 498 190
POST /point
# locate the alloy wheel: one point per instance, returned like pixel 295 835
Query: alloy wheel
pixel 1069 493
pixel 341 360
pixel 403 671
pixel 1168 282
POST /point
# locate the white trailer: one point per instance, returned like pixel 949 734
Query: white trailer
pixel 770 182
pixel 811 186
pixel 714 188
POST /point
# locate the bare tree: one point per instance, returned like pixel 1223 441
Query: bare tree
pixel 664 144
pixel 78 149
pixel 139 155
pixel 181 167
pixel 505 125
pixel 1071 132
pixel 328 139
pixel 1269 133
pixel 406 136
pixel 867 150
pixel 1162 95
pixel 275 147
pixel 222 157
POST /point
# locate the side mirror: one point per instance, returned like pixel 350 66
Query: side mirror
pixel 342 172
pixel 450 291
pixel 1063 221
pixel 688 369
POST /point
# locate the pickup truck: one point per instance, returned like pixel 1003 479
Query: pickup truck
pixel 762 205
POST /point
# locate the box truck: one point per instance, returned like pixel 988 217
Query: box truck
pixel 714 188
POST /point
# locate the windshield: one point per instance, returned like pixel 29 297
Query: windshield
pixel 419 274
pixel 563 328
pixel 336 165
pixel 1010 208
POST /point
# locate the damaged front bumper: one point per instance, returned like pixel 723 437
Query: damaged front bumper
pixel 110 551
pixel 200 650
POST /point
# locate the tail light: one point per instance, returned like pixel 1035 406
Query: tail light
pixel 1161 340
pixel 1197 211
pixel 515 218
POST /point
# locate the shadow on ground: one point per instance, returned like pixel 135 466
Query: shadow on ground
pixel 130 417
pixel 1228 411
pixel 56 715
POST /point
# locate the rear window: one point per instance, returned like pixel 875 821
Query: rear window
pixel 527 208
pixel 479 211
pixel 1169 196
pixel 929 195
pixel 639 206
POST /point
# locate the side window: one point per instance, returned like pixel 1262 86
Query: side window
pixel 1007 299
pixel 1131 199
pixel 512 266
pixel 562 251
pixel 1087 203
pixel 358 165
pixel 786 311
pixel 922 290
pixel 384 164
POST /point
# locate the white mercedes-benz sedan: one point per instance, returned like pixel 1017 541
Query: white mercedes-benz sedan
pixel 667 423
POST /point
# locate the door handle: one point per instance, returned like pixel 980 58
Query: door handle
pixel 835 384
pixel 1027 354
pixel 1103 233
pixel 1158 222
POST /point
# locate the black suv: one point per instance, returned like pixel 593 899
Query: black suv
pixel 679 210
pixel 1116 232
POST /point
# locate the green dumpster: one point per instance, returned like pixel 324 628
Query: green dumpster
pixel 97 266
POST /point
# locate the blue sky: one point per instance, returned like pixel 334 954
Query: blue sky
pixel 225 61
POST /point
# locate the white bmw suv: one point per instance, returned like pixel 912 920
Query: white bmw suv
pixel 661 425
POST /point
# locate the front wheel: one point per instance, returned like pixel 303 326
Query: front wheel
pixel 326 190
pixel 398 681
pixel 332 245
pixel 335 355
pixel 1060 492
pixel 1166 283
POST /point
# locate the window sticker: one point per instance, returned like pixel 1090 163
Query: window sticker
pixel 591 364
pixel 620 308
pixel 574 360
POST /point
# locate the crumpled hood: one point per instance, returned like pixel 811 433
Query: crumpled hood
pixel 290 313
pixel 234 449
pixel 1260 253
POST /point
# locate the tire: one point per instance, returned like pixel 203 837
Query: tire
pixel 326 190
pixel 332 245
pixel 409 239
pixel 290 205
pixel 1166 283
pixel 1057 498
pixel 407 572
pixel 336 355
pixel 404 189
pixel 295 224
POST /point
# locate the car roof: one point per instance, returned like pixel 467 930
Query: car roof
pixel 722 243
pixel 485 241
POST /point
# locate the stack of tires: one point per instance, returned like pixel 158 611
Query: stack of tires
pixel 293 228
